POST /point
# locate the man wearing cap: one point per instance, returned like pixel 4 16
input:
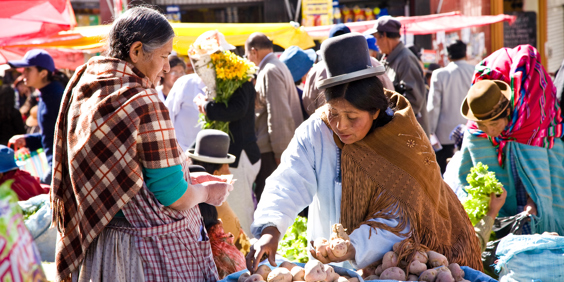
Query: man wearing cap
pixel 39 72
pixel 312 97
pixel 299 62
pixel 278 109
pixel 448 88
pixel 402 67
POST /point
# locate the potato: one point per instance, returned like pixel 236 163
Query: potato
pixel 330 272
pixel 444 276
pixel 421 256
pixel 314 271
pixel 390 260
pixel 338 231
pixel 255 278
pixel 417 267
pixel 279 275
pixel 263 270
pixel 321 245
pixel 338 247
pixel 412 277
pixel 288 265
pixel 457 272
pixel 436 259
pixel 428 275
pixel 342 279
pixel 372 277
pixel 393 273
pixel 353 279
pixel 298 273
pixel 378 270
pixel 244 277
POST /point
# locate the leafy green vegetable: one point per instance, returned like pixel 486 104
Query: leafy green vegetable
pixel 482 184
pixel 294 243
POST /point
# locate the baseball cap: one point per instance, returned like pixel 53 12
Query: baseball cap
pixel 339 29
pixel 371 41
pixel 385 24
pixel 35 58
pixel 298 61
pixel 7 161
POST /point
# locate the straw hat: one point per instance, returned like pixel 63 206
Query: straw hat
pixel 486 100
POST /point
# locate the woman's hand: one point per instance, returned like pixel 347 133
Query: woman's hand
pixel 266 245
pixel 496 202
pixel 531 207
pixel 217 192
pixel 17 142
pixel 326 256
pixel 201 101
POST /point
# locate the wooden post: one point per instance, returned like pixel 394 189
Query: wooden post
pixel 542 30
pixel 496 34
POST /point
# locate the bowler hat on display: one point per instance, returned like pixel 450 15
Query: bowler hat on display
pixel 486 100
pixel 298 61
pixel 211 147
pixel 385 24
pixel 347 59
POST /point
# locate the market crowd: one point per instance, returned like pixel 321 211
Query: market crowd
pixel 359 133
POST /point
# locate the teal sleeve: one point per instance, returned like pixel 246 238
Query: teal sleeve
pixel 167 184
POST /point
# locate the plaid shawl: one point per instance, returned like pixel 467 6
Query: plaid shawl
pixel 535 118
pixel 110 125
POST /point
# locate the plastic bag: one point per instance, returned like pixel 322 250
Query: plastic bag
pixel 19 257
pixel 502 227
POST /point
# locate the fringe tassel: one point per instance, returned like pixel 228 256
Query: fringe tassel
pixel 58 216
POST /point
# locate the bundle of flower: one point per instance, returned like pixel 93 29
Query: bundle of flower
pixel 222 72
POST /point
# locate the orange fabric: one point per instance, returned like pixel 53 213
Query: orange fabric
pixel 228 259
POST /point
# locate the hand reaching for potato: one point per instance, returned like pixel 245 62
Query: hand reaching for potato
pixel 336 250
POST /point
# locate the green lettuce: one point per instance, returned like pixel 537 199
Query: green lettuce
pixel 294 243
pixel 481 184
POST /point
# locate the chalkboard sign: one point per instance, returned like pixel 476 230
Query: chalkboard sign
pixel 522 31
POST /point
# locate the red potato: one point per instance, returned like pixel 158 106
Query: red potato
pixel 280 275
pixel 417 267
pixel 444 276
pixel 378 270
pixel 331 274
pixel 338 231
pixel 244 277
pixel 390 260
pixel 255 278
pixel 314 271
pixel 428 275
pixel 263 271
pixel 421 256
pixel 321 245
pixel 436 259
pixel 288 265
pixel 372 277
pixel 442 269
pixel 298 274
pixel 456 271
pixel 393 273
pixel 412 277
pixel 338 247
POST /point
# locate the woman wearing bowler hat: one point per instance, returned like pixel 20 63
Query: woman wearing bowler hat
pixel 514 127
pixel 363 161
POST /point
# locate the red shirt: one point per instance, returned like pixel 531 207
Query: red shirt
pixel 25 185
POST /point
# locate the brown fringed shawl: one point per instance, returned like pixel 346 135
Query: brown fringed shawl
pixel 393 170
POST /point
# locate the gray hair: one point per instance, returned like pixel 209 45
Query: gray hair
pixel 142 24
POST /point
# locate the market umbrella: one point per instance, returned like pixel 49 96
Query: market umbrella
pixel 22 20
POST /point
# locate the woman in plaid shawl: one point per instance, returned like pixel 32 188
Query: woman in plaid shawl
pixel 123 204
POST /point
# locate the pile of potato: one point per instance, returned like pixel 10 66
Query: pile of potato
pixel 425 266
pixel 287 272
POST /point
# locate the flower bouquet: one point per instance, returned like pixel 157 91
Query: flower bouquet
pixel 221 71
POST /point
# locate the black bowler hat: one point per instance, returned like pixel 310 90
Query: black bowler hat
pixel 211 147
pixel 347 59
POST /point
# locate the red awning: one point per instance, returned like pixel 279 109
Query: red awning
pixel 36 18
pixel 418 25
